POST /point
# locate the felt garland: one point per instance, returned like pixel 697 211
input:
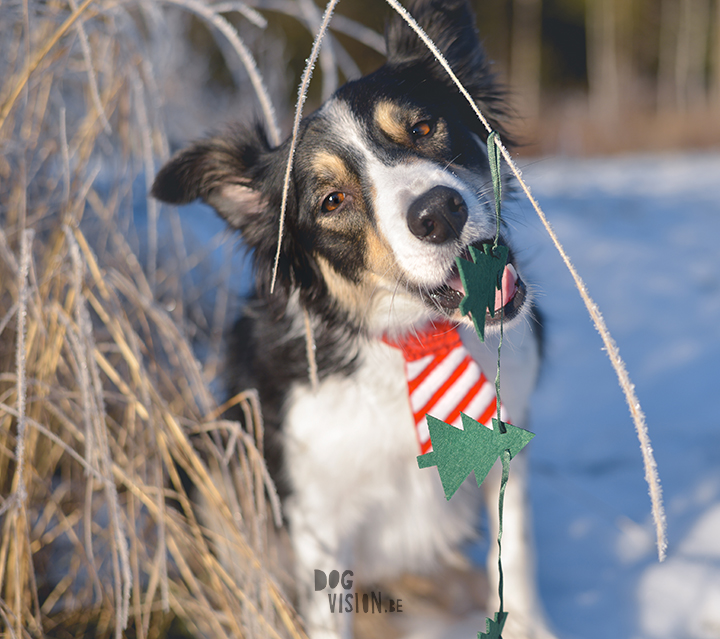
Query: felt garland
pixel 476 448
pixel 443 379
pixel 482 276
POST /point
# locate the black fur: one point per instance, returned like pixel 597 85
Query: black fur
pixel 450 24
pixel 266 353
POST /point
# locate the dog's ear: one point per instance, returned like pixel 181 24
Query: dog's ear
pixel 450 24
pixel 240 175
pixel 225 171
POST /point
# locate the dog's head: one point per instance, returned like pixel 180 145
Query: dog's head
pixel 390 183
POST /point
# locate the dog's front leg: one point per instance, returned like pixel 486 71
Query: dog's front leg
pixel 318 546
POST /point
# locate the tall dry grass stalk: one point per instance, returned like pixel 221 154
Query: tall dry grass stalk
pixel 106 416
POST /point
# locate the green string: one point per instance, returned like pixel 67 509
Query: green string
pixel 495 173
pixel 503 483
pixel 494 160
pixel 497 372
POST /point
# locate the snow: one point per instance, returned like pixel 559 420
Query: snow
pixel 643 232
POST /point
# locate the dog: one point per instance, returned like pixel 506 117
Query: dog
pixel 389 184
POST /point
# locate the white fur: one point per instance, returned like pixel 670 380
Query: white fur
pixel 396 187
pixel 360 501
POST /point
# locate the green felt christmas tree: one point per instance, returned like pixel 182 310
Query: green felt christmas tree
pixel 457 453
pixel 494 627
pixel 481 278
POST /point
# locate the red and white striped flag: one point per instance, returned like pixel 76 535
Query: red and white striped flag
pixel 444 380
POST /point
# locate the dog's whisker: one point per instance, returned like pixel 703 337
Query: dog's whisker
pixel 452 161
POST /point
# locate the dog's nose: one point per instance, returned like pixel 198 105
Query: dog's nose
pixel 438 215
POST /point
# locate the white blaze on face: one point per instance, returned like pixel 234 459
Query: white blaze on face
pixel 395 188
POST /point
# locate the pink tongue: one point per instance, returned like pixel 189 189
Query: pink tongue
pixel 509 287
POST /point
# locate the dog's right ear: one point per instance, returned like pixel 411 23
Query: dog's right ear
pixel 224 171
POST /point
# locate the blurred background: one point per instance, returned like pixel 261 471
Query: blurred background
pixel 585 76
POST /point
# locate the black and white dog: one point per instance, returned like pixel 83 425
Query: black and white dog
pixel 389 185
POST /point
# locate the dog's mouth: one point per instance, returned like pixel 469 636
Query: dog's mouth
pixel 510 298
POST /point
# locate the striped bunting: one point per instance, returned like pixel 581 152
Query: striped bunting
pixel 444 380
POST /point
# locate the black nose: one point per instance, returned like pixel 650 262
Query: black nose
pixel 438 215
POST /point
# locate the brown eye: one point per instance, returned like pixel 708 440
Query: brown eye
pixel 421 129
pixel 332 202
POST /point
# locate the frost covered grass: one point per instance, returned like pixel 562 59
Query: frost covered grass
pixel 106 305
pixel 106 414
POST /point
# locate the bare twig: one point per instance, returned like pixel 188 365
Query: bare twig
pixel 20 363
pixel 222 25
pixel 241 7
pixel 149 172
pixel 33 64
pixel 302 96
pixel 92 80
pixel 310 351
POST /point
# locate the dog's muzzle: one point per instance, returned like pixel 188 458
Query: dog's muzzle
pixel 510 297
pixel 438 217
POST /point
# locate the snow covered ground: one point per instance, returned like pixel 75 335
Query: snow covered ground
pixel 643 231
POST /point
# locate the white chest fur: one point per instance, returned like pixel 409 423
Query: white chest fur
pixel 351 455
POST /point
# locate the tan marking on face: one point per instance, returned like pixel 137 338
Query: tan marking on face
pixel 352 297
pixel 389 117
pixel 379 256
pixel 331 169
pixel 334 175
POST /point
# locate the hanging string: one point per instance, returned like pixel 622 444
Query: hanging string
pixel 505 458
pixel 495 173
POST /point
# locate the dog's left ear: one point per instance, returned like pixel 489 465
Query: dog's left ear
pixel 225 171
pixel 450 24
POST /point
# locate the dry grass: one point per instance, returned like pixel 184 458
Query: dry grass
pixel 105 412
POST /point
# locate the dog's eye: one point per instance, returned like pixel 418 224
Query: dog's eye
pixel 332 202
pixel 421 129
